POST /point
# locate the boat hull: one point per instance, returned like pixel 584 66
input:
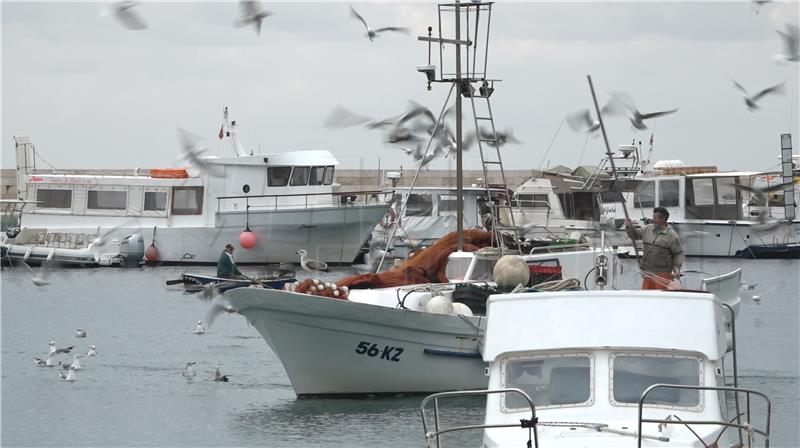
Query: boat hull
pixel 341 348
pixel 331 234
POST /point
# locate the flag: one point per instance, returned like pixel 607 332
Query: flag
pixel 221 134
pixel 651 139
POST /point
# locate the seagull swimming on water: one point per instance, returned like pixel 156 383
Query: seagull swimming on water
pixel 80 333
pixel 69 376
pixel 199 329
pixel 188 371
pixel 39 362
pixel 752 99
pixel 372 34
pixel 92 352
pixel 220 377
pixel 310 265
pixel 55 351
pixel 251 12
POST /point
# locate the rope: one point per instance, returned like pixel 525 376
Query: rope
pixel 556 285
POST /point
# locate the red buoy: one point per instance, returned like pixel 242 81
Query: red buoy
pixel 151 253
pixel 247 239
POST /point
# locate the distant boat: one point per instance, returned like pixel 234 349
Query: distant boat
pixel 288 200
pixel 196 282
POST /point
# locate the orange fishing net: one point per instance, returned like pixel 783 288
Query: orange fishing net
pixel 427 266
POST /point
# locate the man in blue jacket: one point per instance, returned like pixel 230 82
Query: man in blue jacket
pixel 226 267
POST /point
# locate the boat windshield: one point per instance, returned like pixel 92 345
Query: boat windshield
pixel 551 380
pixel 633 373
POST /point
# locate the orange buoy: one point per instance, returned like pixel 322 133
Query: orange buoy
pixel 151 253
pixel 247 239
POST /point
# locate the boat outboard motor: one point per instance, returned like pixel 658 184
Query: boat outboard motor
pixel 131 250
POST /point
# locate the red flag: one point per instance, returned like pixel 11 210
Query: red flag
pixel 221 134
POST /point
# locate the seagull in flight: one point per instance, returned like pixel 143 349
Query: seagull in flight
pixel 372 34
pixel 757 4
pixel 752 99
pixel 583 120
pixel 194 153
pixel 310 265
pixel 791 44
pixel 216 309
pixel 251 11
pixel 130 18
pixel 41 279
pixel 637 118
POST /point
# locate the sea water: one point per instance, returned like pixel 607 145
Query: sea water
pixel 133 392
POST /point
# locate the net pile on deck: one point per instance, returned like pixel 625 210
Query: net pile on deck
pixel 426 266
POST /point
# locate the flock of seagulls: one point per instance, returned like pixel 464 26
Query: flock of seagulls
pixel 411 131
pixel 66 369
pixel 251 12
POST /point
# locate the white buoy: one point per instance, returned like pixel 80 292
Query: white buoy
pixel 460 308
pixel 510 271
pixel 439 305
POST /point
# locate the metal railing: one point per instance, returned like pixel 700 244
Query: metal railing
pixel 284 201
pixel 432 437
pixel 560 247
pixel 746 426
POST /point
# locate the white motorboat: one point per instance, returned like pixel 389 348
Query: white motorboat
pixel 607 369
pixel 288 200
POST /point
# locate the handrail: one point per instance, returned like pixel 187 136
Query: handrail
pixel 559 247
pixel 736 390
pixel 431 436
pixel 332 193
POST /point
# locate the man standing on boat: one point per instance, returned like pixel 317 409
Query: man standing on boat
pixel 226 267
pixel 662 252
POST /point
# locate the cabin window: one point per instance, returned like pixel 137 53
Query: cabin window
pixel 50 198
pixel 278 176
pixel 668 193
pixel 631 374
pixel 107 200
pixel 579 206
pixel 299 176
pixel 703 190
pixel 551 381
pixel 317 175
pixel 533 200
pixel 448 204
pixel 155 201
pixel 726 191
pixel 187 200
pixel 328 178
pixel 645 195
pixel 457 268
pixel 611 197
pixel 419 205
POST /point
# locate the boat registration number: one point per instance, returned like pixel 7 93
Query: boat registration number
pixel 385 352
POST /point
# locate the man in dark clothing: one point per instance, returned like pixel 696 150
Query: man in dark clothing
pixel 662 253
pixel 226 267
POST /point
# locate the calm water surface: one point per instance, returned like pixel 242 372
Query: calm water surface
pixel 133 393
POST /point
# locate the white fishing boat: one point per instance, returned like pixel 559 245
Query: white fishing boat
pixel 614 369
pixel 385 341
pixel 286 200
pixel 717 214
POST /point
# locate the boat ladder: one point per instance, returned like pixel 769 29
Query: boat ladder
pixel 501 210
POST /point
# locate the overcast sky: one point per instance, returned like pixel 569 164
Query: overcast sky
pixel 93 94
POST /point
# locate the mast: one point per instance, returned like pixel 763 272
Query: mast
pixel 459 139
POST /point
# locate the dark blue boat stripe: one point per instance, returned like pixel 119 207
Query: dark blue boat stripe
pixel 431 351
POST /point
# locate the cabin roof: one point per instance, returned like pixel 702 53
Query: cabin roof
pixel 317 157
pixel 662 320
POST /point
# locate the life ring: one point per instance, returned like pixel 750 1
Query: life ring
pixel 388 219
